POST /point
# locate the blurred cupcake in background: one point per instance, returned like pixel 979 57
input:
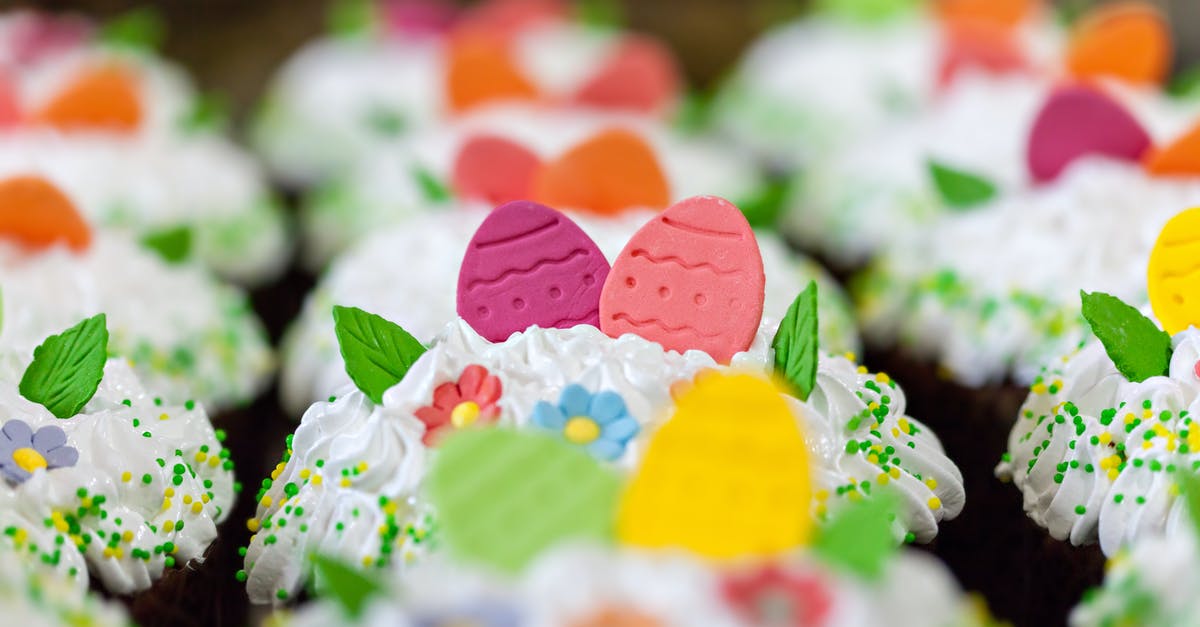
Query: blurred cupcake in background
pixel 690 284
pixel 969 145
pixel 407 65
pixel 855 67
pixel 36 597
pixel 126 134
pixel 189 336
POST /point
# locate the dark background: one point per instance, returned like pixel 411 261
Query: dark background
pixel 233 46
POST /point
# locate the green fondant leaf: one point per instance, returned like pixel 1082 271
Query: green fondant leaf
pixel 378 353
pixel 173 244
pixel 868 11
pixel 1137 347
pixel 350 587
pixel 139 29
pixel 859 539
pixel 209 112
pixel 351 18
pixel 764 209
pixel 67 368
pixel 960 189
pixel 795 343
pixel 434 190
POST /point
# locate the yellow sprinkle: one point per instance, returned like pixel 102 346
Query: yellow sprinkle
pixel 127 536
pixel 894 472
pixel 895 432
pixel 383 530
pixel 345 482
pixel 61 524
pixel 862 370
pixel 931 483
pixel 316 480
pixel 873 406
pixel 903 422
pixel 1146 444
pixel 367 560
pixel 1105 438
pixel 86 502
pixel 21 536
pixel 252 525
pixel 1147 413
pixel 304 474
pixel 126 476
pixel 187 499
pixel 390 508
pixel 275 473
pixel 214 461
pixel 882 479
pixel 821 509
pixel 107 552
pixel 1113 473
pixel 266 500
pixel 166 504
pixel 163 417
pixel 850 355
pixel 1129 418
pixel 854 496
pixel 822 495
pixel 1038 388
pixel 883 378
pixel 201 456
pixel 169 492
pixel 361 467
pixel 935 503
pixel 197 507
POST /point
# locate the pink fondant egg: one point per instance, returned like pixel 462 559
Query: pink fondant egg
pixel 691 278
pixel 1080 121
pixel 529 265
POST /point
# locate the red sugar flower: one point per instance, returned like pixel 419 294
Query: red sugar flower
pixel 773 596
pixel 470 400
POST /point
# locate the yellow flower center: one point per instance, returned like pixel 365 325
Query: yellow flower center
pixel 464 414
pixel 28 459
pixel 581 430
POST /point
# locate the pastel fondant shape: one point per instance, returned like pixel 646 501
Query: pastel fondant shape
pixel 691 278
pixel 481 71
pixel 613 171
pixel 728 476
pixel 529 265
pixel 36 214
pixel 1001 12
pixel 640 76
pixel 10 101
pixel 102 97
pixel 1080 120
pixel 1173 274
pixel 494 169
pixel 503 496
pixel 1126 40
pixel 979 46
pixel 1179 158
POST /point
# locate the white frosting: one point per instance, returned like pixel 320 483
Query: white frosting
pixel 822 83
pixel 880 188
pixel 572 584
pixel 36 597
pixel 158 176
pixel 189 336
pixel 385 190
pixel 124 437
pixel 1153 583
pixel 1089 438
pixel 984 311
pixel 364 452
pixel 379 275
pixel 339 100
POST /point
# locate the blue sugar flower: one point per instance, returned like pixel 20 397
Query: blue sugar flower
pixel 22 451
pixel 483 613
pixel 599 422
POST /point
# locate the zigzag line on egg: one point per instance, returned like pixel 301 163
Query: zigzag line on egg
pixel 655 322
pixel 699 230
pixel 538 265
pixel 512 238
pixel 702 265
pixel 591 315
pixel 1168 274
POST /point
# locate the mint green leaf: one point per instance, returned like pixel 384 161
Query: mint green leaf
pixel 795 343
pixel 209 112
pixel 378 353
pixel 349 586
pixel 607 14
pixel 173 244
pixel 67 368
pixel 1136 346
pixel 859 539
pixel 139 29
pixel 764 209
pixel 351 18
pixel 1185 85
pixel 960 189
pixel 434 190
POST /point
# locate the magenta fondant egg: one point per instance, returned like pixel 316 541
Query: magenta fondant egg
pixel 529 265
pixel 691 278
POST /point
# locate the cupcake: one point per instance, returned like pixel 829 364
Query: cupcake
pixel 1151 583
pixel 189 336
pixel 967 147
pixel 103 481
pixel 851 69
pixel 570 158
pixel 376 276
pixel 126 135
pixel 593 361
pixel 412 65
pixel 37 598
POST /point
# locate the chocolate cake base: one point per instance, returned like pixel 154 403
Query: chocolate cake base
pixel 1027 577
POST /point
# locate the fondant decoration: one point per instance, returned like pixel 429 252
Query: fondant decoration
pixel 377 352
pixel 640 76
pixel 37 215
pixel 24 451
pixel 1126 40
pixel 480 70
pixel 1174 273
pixel 613 171
pixel 469 401
pixel 1080 120
pixel 691 278
pixel 1002 12
pixel 67 368
pixel 979 46
pixel 1179 158
pixel 10 101
pixel 598 422
pixel 795 344
pixel 1136 346
pixel 494 169
pixel 99 98
pixel 960 189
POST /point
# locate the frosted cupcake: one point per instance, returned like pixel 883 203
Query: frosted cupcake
pixel 187 335
pixel 102 479
pixel 126 135
pixel 966 148
pixel 377 275
pixel 415 64
pixel 350 484
pixel 1152 583
pixel 853 68
pixel 38 598
pixel 575 159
